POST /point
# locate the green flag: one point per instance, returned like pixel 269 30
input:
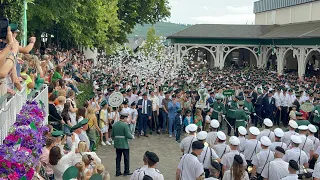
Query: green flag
pixel 33 126
pixel 17 145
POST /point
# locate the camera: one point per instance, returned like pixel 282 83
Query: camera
pixel 90 157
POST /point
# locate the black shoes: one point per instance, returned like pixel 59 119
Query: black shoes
pixel 118 174
pixel 127 174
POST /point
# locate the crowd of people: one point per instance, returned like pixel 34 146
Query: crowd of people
pixel 195 102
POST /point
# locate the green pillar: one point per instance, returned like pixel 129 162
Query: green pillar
pixel 24 24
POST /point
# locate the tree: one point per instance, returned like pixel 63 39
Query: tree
pixel 86 23
pixel 133 12
pixel 90 23
pixel 153 42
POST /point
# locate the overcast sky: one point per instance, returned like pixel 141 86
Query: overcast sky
pixel 212 11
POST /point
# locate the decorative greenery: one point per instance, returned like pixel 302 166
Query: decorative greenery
pixel 87 89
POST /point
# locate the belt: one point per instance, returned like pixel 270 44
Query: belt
pixel 121 137
pixel 54 123
pixel 240 120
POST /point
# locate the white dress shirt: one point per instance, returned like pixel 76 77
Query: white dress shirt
pixel 250 148
pixel 290 177
pixel 211 138
pixel 206 156
pixel 275 169
pixel 155 174
pixel 316 172
pixel 273 146
pixel 190 167
pixel 306 145
pixel 136 173
pixel 186 144
pixel 260 160
pixel 285 100
pixel 286 138
pixel 276 96
pixel 294 154
pixel 268 133
pixel 221 149
pixel 227 159
pixel 315 141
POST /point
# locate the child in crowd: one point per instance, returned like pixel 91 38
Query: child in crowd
pixel 292 113
pixel 207 119
pixel 188 119
pixel 178 125
pixel 134 116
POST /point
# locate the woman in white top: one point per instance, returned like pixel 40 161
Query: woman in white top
pixel 61 163
pixel 73 107
pixel 114 115
pixel 84 150
pixel 237 171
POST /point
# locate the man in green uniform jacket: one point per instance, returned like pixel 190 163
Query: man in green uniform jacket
pixel 232 107
pixel 241 117
pixel 121 133
pixel 218 109
pixel 248 104
pixel 316 111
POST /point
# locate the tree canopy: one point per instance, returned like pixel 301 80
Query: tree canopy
pixel 94 23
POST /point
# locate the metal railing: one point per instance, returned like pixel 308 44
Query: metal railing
pixel 10 106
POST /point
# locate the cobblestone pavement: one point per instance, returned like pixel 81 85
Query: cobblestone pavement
pixel 166 148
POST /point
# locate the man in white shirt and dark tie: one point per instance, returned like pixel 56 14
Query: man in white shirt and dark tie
pixel 145 113
pixel 285 102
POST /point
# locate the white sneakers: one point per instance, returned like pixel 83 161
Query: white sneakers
pixel 103 143
pixel 108 143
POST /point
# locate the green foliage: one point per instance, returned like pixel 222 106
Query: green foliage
pixel 152 43
pixel 87 89
pixel 133 12
pixel 89 23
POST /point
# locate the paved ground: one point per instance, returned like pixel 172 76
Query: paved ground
pixel 166 148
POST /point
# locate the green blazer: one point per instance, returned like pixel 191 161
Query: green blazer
pixel 217 107
pixel 316 119
pixel 249 105
pixel 121 133
pixel 241 117
pixel 232 108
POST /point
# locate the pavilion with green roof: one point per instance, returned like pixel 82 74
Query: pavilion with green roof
pixel 289 46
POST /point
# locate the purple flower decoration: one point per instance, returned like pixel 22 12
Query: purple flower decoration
pixel 21 149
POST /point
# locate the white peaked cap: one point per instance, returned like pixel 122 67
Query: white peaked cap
pixel 293 124
pixel 265 141
pixel 202 135
pixel 242 130
pixel 221 135
pixel 233 140
pixel 278 132
pixel 254 130
pixel 214 123
pixel 267 122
